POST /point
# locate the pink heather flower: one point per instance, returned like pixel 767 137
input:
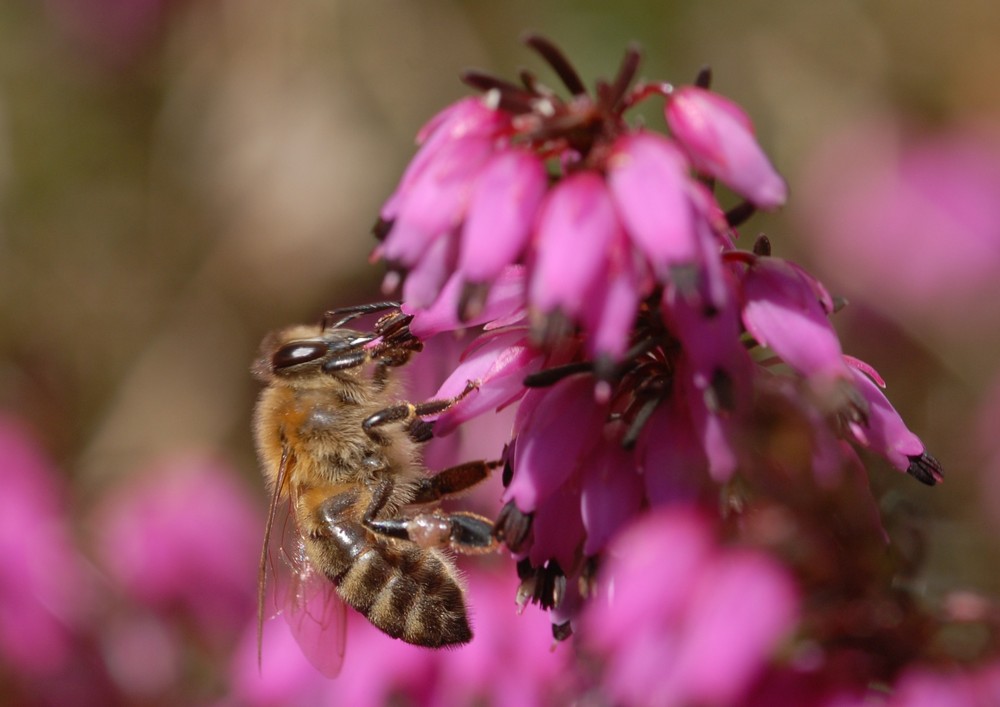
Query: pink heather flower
pixel 501 214
pixel 924 687
pixel 649 177
pixel 672 461
pixel 611 494
pixel 428 277
pixel 911 228
pixel 183 536
pixel 559 429
pixel 616 212
pixel 577 227
pixel 719 138
pixel 884 432
pixel 504 305
pixel 496 364
pixel 693 625
pixel 469 117
pixel 378 670
pixel 45 594
pixel 435 202
pixel 782 310
pixel 610 312
pixel 652 368
pixel 558 527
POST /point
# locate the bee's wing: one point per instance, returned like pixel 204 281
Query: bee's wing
pixel 316 615
pixel 309 601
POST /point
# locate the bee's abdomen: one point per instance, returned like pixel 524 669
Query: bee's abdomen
pixel 408 593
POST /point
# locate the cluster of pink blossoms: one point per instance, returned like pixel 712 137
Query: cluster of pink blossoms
pixel 652 361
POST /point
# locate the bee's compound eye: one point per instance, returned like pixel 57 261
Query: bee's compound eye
pixel 298 352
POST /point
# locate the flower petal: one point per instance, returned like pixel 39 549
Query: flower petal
pixel 576 227
pixel 649 178
pixel 501 214
pixel 718 137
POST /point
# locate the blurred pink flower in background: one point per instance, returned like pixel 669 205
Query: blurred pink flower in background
pixel 909 223
pixel 181 538
pixel 928 687
pixel 680 620
pixel 45 592
pixel 511 662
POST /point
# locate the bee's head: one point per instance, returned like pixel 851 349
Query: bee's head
pixel 301 353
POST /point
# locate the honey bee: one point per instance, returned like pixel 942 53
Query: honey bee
pixel 337 442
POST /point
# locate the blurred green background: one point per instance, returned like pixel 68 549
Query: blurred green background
pixel 177 177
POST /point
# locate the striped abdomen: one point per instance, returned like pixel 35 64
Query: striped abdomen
pixel 407 591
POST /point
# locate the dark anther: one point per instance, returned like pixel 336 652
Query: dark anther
pixel 925 469
pixel 551 376
pixel 704 77
pixel 721 393
pixel 508 473
pixel 588 577
pixel 762 246
pixel 513 527
pixel 558 61
pixel 381 229
pixel 740 214
pixel 560 632
pixel 551 328
pixel 472 300
pixel 530 81
pixel 550 585
pixel 638 423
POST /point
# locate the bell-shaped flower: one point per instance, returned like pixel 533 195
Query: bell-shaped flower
pixel 435 202
pixel 884 432
pixel 576 229
pixel 424 282
pixel 649 178
pixel 504 305
pixel 781 310
pixel 612 493
pixel 558 528
pixel 610 314
pixel 673 463
pixel 719 139
pixel 501 214
pixel 466 117
pixel 496 364
pixel 693 625
pixel 555 434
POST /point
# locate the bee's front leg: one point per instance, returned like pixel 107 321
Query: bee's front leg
pixel 410 413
